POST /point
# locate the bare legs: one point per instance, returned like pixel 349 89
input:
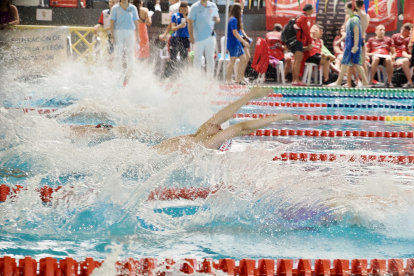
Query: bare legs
pixel 240 69
pixel 296 66
pixel 288 63
pixel 405 64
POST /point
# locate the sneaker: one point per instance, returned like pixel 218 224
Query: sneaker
pixel 359 84
pixel 334 84
pixel 408 85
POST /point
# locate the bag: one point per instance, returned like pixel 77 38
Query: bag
pixel 289 33
pixel 399 78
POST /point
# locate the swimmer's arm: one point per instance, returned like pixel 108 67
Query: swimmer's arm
pixel 228 112
pixel 244 128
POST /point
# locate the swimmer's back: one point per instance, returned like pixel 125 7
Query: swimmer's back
pixel 180 144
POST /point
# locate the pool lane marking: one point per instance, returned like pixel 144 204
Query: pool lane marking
pixel 332 133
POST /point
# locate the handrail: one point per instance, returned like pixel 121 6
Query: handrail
pixel 82 37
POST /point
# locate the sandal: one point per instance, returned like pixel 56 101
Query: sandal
pixel 243 83
pixel 390 85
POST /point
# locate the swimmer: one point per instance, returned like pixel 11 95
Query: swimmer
pixel 210 134
pixel 103 130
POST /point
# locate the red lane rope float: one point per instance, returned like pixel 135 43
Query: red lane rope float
pixel 332 133
pixel 316 117
pixel 246 267
pixel 305 157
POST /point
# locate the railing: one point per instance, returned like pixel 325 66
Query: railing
pixel 84 40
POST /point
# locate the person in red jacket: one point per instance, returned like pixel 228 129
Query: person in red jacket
pixel 303 37
pixel 401 46
pixel 277 47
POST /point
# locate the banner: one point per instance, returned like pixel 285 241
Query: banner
pixel 34 51
pixel 408 11
pixel 385 17
pixel 281 11
pixel 331 17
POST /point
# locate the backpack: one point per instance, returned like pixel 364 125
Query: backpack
pixel 289 33
pixel 399 78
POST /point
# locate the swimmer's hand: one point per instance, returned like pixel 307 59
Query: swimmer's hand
pixel 258 92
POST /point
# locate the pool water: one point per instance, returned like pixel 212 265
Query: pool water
pixel 261 208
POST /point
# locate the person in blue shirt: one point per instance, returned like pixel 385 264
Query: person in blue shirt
pixel 201 19
pixel 235 44
pixel 180 42
pixel 124 22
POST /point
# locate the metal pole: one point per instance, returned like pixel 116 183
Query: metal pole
pixel 225 39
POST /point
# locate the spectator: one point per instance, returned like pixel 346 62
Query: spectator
pixel 180 42
pixel 144 21
pixel 339 47
pixel 244 35
pixel 9 15
pixel 201 19
pixel 105 22
pixel 379 49
pixel 315 55
pixel 276 47
pixel 353 48
pixel 401 46
pixel 124 22
pixel 174 8
pixel 235 45
pixel 302 38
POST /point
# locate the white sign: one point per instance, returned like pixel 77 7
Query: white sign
pixel 43 15
pixel 34 51
pixel 165 18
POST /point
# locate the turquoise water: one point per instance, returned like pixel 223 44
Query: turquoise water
pixel 262 209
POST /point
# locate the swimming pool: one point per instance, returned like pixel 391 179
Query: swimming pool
pixel 260 208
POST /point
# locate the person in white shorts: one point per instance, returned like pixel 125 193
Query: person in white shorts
pixel 124 21
pixel 201 20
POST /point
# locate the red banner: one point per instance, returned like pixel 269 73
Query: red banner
pixel 389 21
pixel 285 10
pixel 408 11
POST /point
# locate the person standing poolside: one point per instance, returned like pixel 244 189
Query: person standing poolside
pixel 245 37
pixel 303 37
pixel 144 21
pixel 210 134
pixel 9 15
pixel 277 47
pixel 235 45
pixel 201 19
pixel 352 50
pixel 173 9
pixel 180 42
pixel 401 45
pixel 124 22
